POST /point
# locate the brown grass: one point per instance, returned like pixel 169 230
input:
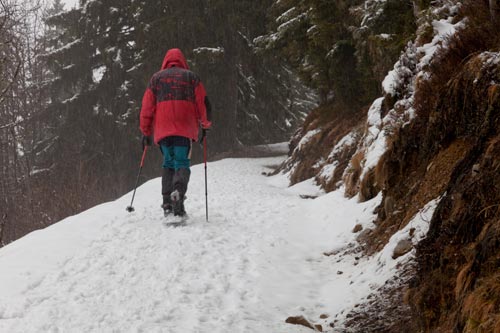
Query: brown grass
pixel 381 171
pixel 480 308
pixel 464 280
pixel 481 34
pixel 335 122
pixel 368 187
pixel 452 149
pixel 351 177
pixel 403 206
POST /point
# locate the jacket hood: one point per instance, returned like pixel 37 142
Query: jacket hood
pixel 174 58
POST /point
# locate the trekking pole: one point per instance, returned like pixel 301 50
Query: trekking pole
pixel 205 160
pixel 130 209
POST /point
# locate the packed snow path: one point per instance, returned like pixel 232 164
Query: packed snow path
pixel 259 260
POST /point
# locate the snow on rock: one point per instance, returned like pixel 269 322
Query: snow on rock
pixel 490 60
pixel 259 260
pixel 442 29
pixel 414 60
pixel 374 142
pixel 390 82
pixel 306 138
pixel 328 168
pixel 367 274
pixel 414 231
pixel 400 83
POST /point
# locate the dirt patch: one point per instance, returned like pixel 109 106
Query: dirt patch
pixel 385 310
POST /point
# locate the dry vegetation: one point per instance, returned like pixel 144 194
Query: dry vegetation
pixel 335 122
pixel 452 150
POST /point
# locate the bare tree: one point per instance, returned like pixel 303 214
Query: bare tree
pixel 20 26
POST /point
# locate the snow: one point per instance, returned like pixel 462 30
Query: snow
pixel 412 65
pixel 385 36
pixel 36 171
pixel 328 169
pixel 443 28
pixel 133 68
pixel 259 260
pixel 420 222
pixel 374 141
pixel 215 50
pixel 125 85
pixel 390 82
pixel 282 28
pixel 306 138
pixel 98 73
pixel 372 9
pixel 285 16
pixel 71 3
pixel 490 59
pixel 63 48
pixel 313 29
pixel 72 99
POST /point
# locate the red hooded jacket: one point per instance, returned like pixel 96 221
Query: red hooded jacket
pixel 174 102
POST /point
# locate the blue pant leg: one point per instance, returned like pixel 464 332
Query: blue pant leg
pixel 168 156
pixel 181 157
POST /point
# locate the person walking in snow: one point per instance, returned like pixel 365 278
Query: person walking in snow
pixel 173 108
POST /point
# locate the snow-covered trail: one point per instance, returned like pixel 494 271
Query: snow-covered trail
pixel 259 260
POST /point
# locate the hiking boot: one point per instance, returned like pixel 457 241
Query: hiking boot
pixel 178 203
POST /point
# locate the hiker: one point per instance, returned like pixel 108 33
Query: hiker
pixel 173 108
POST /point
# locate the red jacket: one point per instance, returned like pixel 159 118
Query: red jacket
pixel 174 102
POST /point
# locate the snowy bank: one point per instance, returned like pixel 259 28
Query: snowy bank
pixel 260 259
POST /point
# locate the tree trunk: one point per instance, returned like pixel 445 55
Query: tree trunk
pixel 494 10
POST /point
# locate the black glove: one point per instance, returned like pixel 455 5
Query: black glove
pixel 204 132
pixel 146 141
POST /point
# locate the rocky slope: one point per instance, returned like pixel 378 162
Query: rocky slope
pixel 433 134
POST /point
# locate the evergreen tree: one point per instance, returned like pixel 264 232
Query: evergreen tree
pixel 342 49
